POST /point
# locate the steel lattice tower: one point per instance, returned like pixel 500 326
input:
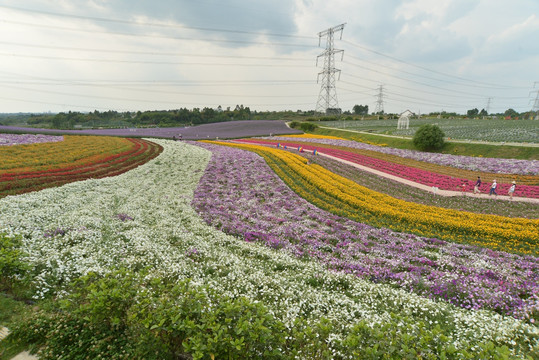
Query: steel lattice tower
pixel 380 100
pixel 327 100
pixel 535 108
pixel 488 105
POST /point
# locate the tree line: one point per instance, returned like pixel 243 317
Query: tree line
pixel 161 118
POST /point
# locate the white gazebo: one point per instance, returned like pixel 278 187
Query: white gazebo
pixel 404 120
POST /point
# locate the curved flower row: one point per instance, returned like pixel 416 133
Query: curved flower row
pixel 482 205
pixel 240 195
pixel 160 232
pixel 18 139
pixel 18 181
pixel 491 165
pixel 428 178
pixel 73 151
pixel 345 197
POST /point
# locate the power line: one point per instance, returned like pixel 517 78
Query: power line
pixel 143 61
pixel 138 23
pixel 474 85
pixel 430 70
pixel 170 37
pixel 406 79
pixel 151 53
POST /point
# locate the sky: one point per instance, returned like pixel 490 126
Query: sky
pixel 137 55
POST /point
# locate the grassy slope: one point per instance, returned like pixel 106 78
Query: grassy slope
pixel 491 151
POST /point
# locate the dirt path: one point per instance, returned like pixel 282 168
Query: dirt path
pixel 431 189
pixel 434 190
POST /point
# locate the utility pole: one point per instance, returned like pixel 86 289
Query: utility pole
pixel 380 100
pixel 327 99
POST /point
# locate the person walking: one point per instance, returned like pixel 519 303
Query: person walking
pixel 477 185
pixel 512 189
pixel 493 188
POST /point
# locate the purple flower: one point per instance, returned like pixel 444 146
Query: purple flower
pixel 123 217
pixel 55 232
pixel 16 139
pixel 241 195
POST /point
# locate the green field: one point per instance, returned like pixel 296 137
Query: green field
pixel 493 130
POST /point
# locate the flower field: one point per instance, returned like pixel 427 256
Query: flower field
pixel 405 192
pixel 240 195
pixel 445 178
pixel 32 167
pixel 487 165
pixel 346 198
pixel 205 252
pixel 13 139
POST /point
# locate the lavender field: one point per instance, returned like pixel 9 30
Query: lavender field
pixel 223 130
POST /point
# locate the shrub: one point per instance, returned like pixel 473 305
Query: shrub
pixel 429 137
pixel 12 268
pixel 307 127
pixel 126 316
pixel 295 124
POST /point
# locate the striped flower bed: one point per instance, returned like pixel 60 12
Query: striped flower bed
pixel 421 176
pixel 240 195
pixel 52 168
pixel 346 198
pixel 488 165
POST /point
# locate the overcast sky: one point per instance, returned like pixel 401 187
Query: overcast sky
pixel 129 55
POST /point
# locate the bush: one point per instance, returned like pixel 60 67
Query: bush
pixel 12 268
pixel 123 315
pixel 308 127
pixel 295 124
pixel 429 137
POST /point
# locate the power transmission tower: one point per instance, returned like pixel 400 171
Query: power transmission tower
pixel 380 100
pixel 535 108
pixel 488 105
pixel 327 100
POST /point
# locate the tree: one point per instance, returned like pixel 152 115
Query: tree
pixel 473 112
pixel 510 112
pixel 361 109
pixel 429 137
pixel 483 112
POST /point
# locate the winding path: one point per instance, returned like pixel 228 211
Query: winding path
pixel 434 190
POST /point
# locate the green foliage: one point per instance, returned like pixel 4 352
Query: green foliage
pixel 12 268
pixel 361 109
pixel 307 126
pixel 295 124
pixel 304 126
pixel 429 137
pixel 123 316
pixel 65 336
pixel 511 112
pixel 389 341
pixel 198 321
